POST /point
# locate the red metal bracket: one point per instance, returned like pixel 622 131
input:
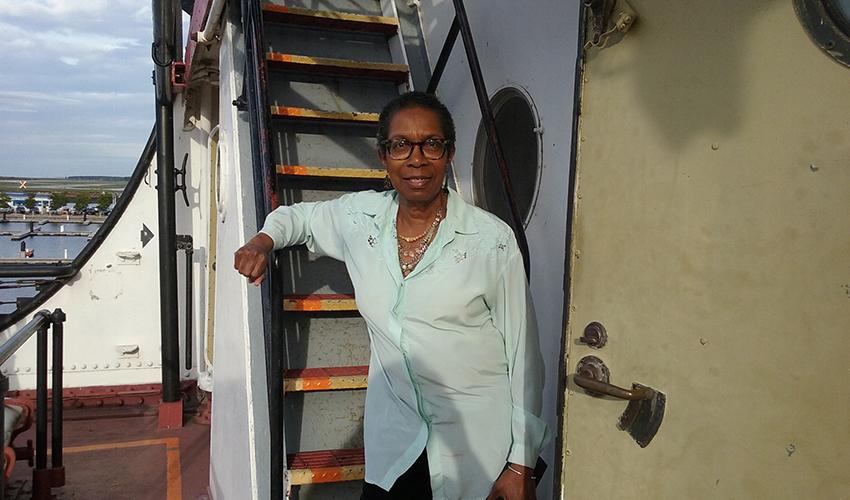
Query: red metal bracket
pixel 178 77
pixel 170 415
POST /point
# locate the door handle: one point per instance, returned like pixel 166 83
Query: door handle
pixel 635 394
pixel 645 411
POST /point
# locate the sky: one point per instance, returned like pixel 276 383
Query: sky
pixel 75 86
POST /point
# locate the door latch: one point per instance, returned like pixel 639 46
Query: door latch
pixel 645 411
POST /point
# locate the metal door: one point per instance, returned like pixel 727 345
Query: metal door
pixel 711 239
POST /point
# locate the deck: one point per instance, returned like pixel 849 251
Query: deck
pixel 125 457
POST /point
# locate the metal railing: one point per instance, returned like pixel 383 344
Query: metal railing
pixel 44 478
pixel 254 100
pixel 460 24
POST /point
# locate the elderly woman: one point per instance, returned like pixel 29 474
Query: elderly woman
pixel 455 373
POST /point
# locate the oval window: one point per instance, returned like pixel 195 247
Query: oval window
pixel 828 25
pixel 517 128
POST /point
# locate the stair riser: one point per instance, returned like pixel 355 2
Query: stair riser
pixel 320 341
pixel 329 93
pixel 324 420
pixel 356 46
pixel 365 7
pixel 328 145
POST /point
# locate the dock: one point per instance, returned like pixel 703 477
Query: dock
pixel 45 219
pixel 19 260
pixel 17 236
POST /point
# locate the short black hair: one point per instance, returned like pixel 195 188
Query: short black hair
pixel 416 99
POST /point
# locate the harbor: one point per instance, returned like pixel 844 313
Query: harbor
pixel 48 240
pixel 47 218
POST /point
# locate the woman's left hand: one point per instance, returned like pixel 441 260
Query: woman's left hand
pixel 512 486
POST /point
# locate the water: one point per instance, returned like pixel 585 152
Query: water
pixel 44 247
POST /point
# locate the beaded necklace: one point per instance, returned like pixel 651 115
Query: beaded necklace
pixel 412 249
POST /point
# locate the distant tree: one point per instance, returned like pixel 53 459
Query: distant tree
pixel 82 200
pixel 103 201
pixel 4 200
pixel 58 199
pixel 30 201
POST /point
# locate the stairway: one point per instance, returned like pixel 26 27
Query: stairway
pixel 332 65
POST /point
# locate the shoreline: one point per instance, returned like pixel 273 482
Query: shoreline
pixel 39 218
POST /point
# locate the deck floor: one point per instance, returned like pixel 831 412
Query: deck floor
pixel 120 458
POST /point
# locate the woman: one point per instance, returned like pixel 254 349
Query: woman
pixel 455 373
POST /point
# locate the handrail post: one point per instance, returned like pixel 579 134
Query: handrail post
pixel 4 388
pixel 163 53
pixel 41 477
pixel 58 319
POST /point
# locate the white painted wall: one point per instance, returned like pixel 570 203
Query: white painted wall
pixel 531 46
pixel 239 440
pixel 111 302
pixel 114 302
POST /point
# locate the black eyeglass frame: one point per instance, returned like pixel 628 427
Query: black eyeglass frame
pixel 447 143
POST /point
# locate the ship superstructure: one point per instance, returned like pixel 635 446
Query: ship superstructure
pixel 675 171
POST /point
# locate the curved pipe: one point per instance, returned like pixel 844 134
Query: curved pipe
pixel 208 35
pixel 24 270
pixel 93 244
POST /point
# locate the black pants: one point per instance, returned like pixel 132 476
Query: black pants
pixel 414 484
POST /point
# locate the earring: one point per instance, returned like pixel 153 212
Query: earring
pixel 387 184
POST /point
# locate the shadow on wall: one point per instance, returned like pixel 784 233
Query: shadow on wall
pixel 669 76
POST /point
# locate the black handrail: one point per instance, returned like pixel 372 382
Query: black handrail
pixel 89 250
pixel 265 195
pixel 44 478
pixel 462 23
pixel 445 52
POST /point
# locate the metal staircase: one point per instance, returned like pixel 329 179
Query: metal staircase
pixel 330 66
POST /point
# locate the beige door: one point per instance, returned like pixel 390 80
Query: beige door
pixel 711 238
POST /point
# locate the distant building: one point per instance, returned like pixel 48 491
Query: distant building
pixel 42 200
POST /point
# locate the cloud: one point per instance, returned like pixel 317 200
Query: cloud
pixel 76 82
pixel 143 15
pixel 26 101
pixel 58 8
pixel 65 44
pixel 12 96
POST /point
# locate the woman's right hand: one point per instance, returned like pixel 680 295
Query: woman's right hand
pixel 251 260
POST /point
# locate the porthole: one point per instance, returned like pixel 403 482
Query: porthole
pixel 517 126
pixel 828 24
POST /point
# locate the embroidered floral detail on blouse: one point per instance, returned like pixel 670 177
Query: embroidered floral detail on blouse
pixel 459 256
pixel 372 241
pixel 502 246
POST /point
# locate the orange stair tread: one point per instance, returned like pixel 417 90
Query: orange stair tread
pixel 315 114
pixel 325 459
pixel 330 19
pixel 397 72
pixel 346 173
pixel 319 296
pixel 326 372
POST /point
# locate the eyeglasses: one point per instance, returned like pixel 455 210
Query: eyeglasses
pixel 401 149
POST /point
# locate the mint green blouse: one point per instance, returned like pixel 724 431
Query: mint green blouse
pixel 455 366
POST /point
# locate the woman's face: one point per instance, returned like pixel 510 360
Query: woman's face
pixel 417 179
